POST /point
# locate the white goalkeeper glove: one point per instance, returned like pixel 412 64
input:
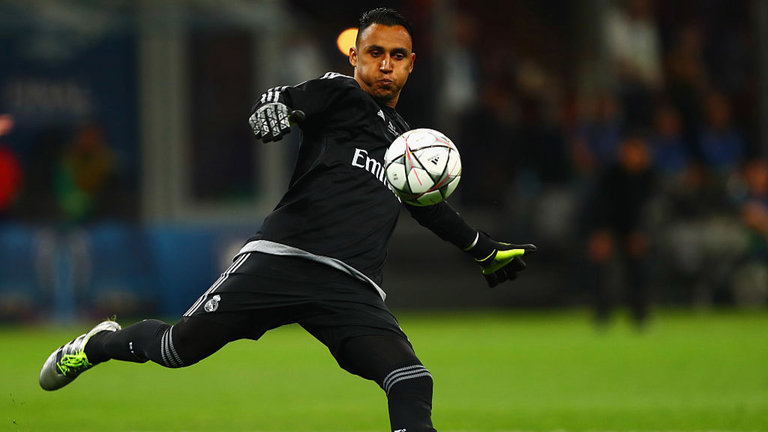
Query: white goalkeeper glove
pixel 272 121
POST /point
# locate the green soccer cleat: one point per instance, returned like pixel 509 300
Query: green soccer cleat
pixel 69 361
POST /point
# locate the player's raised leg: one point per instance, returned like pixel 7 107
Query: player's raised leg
pixel 185 343
pixel 182 344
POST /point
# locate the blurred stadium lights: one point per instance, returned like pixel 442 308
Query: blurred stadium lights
pixel 6 124
pixel 346 40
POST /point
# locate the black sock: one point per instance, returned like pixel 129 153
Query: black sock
pixel 410 405
pixel 132 343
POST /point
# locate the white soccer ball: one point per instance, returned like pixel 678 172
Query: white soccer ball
pixel 423 167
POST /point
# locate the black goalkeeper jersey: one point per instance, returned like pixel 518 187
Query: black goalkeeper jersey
pixel 338 204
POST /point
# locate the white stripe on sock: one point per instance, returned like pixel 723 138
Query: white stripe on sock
pixel 407 372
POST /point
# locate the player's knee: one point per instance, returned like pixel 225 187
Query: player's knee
pixel 174 348
pixel 170 347
pixel 189 341
pixel 413 380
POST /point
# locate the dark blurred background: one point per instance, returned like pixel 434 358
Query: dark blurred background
pixel 625 138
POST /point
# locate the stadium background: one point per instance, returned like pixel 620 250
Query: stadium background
pixel 129 175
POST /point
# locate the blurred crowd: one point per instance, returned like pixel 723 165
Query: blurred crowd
pixel 621 136
pixel 68 177
pixel 646 168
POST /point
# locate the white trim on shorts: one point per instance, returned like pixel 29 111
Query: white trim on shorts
pixel 274 248
pixel 235 265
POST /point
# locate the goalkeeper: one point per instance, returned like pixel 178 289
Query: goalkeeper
pixel 317 259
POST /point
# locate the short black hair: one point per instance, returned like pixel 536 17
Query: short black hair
pixel 384 16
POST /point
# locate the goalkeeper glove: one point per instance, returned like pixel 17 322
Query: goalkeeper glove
pixel 499 261
pixel 271 121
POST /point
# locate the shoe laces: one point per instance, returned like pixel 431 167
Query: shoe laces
pixel 73 364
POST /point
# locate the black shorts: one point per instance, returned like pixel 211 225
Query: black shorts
pixel 260 292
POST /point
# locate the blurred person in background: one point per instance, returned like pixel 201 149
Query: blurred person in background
pixel 750 279
pixel 703 233
pixel 709 240
pixel 543 149
pixel 488 130
pixel 84 175
pixel 687 78
pixel 755 202
pixel 677 206
pixel 634 47
pixel 11 174
pixel 597 135
pixel 723 151
pixel 670 154
pixel 618 233
pixel 544 170
pixel 721 143
pixel 461 83
pixel 317 259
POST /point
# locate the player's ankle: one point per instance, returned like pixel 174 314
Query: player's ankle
pixel 94 349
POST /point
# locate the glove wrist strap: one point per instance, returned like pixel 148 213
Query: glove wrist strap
pixel 482 248
pixel 474 242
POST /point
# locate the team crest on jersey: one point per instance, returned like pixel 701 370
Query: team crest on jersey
pixel 381 114
pixel 212 304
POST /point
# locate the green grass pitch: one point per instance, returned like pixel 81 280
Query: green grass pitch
pixel 494 371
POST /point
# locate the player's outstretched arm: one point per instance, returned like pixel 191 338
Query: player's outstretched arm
pixel 273 120
pixel 282 107
pixel 498 261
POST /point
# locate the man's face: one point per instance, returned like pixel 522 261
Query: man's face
pixel 383 59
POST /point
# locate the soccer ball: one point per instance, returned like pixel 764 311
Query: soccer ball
pixel 423 167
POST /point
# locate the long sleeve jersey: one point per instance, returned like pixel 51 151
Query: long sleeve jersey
pixel 338 208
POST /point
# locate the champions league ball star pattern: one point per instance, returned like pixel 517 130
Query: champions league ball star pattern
pixel 423 167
